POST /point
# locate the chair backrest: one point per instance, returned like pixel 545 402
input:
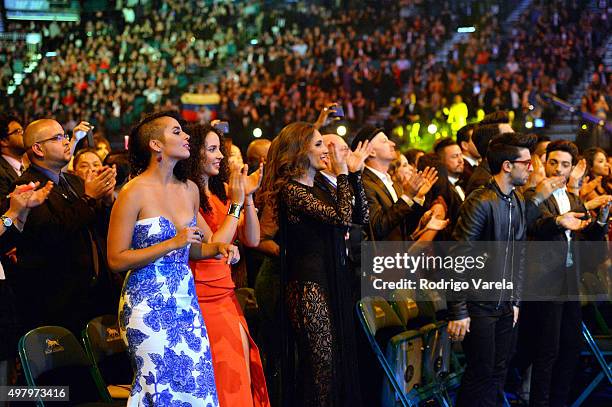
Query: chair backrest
pixel 379 314
pixel 376 318
pixel 404 305
pixel 52 356
pixel 107 350
pixel 436 352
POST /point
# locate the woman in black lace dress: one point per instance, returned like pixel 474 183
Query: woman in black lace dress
pixel 318 290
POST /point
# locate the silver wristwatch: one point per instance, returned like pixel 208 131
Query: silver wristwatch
pixel 6 221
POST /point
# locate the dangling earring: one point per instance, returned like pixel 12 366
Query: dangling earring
pixel 159 158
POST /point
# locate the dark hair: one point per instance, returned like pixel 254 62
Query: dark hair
pixel 80 153
pixel 287 159
pixel 442 144
pixel 589 155
pixel 542 138
pixel 499 117
pixel 120 160
pixel 5 120
pixel 482 136
pixel 412 154
pixel 463 134
pixel 139 154
pixel 563 145
pixel 433 160
pixel 507 147
pixel 216 184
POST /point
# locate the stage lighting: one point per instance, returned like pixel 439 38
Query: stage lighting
pixel 584 127
pixel 463 30
pixel 341 131
pixel 257 132
pixel 539 123
pixel 254 41
pixel 529 124
pixel 432 128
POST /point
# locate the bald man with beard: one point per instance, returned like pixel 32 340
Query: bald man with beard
pixel 60 265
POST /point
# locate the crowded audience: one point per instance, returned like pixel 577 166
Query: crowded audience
pixel 235 268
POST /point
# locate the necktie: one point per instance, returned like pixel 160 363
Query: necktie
pixel 70 194
pixel 66 190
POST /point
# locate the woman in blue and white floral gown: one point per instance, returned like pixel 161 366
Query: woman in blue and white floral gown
pixel 154 229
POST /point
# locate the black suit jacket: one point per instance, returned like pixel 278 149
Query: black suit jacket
pixel 388 220
pixel 8 176
pixel 480 177
pixel 548 274
pixel 55 270
pixel 468 170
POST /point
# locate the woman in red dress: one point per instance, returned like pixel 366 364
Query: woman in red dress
pixel 226 203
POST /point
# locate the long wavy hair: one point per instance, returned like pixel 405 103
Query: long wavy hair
pixel 287 159
pixel 216 184
pixel 589 155
pixel 139 152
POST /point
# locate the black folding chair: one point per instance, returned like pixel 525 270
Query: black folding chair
pixel 52 356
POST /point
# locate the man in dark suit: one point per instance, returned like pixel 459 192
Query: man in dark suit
pixel 482 136
pixel 392 207
pixel 11 150
pixel 471 157
pixel 550 330
pixel 449 154
pixel 58 259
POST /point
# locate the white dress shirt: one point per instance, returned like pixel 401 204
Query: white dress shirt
pixel 564 206
pixel 386 179
pixel 453 180
pixel 15 163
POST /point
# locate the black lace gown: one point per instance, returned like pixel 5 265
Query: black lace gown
pixel 318 291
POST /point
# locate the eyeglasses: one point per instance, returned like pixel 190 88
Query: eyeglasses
pixel 57 137
pixel 16 131
pixel 528 163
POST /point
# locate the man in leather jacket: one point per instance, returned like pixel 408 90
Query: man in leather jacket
pixel 495 212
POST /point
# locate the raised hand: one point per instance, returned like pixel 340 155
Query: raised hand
pixel 236 184
pixel 589 186
pixel 252 182
pixel 19 198
pixel 412 184
pixel 430 175
pixel 80 131
pixel 100 184
pixel 548 185
pixel 598 202
pixel 323 116
pixel 39 196
pixel 577 173
pixel 337 162
pixel 356 159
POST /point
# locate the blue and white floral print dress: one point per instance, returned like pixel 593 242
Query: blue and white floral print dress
pixel 161 322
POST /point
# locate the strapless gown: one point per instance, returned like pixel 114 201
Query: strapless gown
pixel 161 323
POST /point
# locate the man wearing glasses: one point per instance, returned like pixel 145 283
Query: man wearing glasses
pixel 495 212
pixel 59 259
pixel 11 150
